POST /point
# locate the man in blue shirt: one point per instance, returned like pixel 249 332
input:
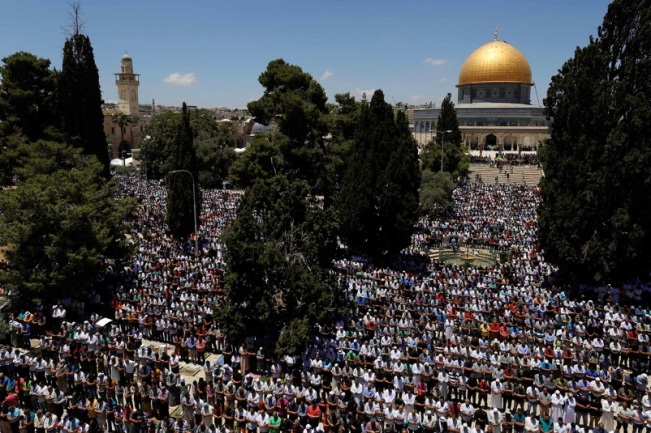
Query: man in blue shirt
pixel 13 416
pixel 192 348
pixel 518 421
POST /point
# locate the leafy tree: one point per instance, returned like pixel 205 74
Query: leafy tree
pixel 343 120
pixel 279 250
pixel 594 222
pixel 378 203
pixel 297 103
pixel 155 150
pixel 61 224
pixel 80 98
pixel 9 150
pixel 215 155
pixel 122 120
pixel 180 202
pixel 436 192
pixel 27 97
pixel 448 138
pixel 213 145
pixel 263 159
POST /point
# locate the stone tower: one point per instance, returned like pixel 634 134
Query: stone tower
pixel 127 83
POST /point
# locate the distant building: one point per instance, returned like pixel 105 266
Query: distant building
pixel 128 84
pixel 124 122
pixel 493 103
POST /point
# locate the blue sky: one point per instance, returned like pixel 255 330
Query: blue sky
pixel 210 53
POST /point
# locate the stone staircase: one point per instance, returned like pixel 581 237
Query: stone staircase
pixel 521 173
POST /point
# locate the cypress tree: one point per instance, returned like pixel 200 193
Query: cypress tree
pixel 378 202
pixel 595 218
pixel 448 138
pixel 180 203
pixel 80 98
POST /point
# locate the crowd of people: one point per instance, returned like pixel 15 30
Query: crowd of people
pixel 506 158
pixel 428 347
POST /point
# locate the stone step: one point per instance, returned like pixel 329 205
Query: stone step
pixel 529 174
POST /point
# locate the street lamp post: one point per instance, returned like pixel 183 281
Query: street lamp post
pixel 447 131
pixel 194 202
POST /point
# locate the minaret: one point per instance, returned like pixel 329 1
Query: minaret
pixel 127 83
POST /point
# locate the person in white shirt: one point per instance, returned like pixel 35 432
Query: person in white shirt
pixel 50 422
pixel 558 402
pixel 429 421
pixel 561 427
pixel 495 420
pixel 399 415
pixel 413 420
pixel 454 425
pixel 496 393
pixel 262 420
pixel 531 424
pixel 467 411
pixel 608 413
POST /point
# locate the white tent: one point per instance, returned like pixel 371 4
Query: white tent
pixel 120 162
pixel 103 322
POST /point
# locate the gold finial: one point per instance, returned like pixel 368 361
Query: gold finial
pixel 495 33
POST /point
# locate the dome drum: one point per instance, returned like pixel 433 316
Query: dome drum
pixel 518 93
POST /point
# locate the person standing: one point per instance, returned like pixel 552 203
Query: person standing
pixel 483 388
pixel 244 359
pixel 531 424
pixel 569 409
pixel 496 394
pixel 546 424
pixel 558 403
pixel 545 400
pixel 608 413
pixel 519 420
pixel 582 408
pixel 622 417
pixel 637 419
pixel 495 420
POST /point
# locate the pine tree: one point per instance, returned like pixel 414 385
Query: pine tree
pixel 180 203
pixel 595 220
pixel 27 97
pixel 378 202
pixel 80 97
pixel 296 103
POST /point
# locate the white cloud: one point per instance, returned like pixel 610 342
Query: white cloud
pixel 327 74
pixel 443 80
pixel 177 79
pixel 435 61
pixel 416 97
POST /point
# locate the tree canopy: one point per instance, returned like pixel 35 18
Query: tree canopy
pixel 436 192
pixel 594 221
pixel 180 195
pixel 80 100
pixel 213 144
pixel 378 202
pixel 27 97
pixel 61 224
pixel 448 138
pixel 296 102
pixel 278 252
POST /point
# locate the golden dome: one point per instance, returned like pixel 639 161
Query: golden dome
pixel 495 62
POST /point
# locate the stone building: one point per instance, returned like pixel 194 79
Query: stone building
pixel 493 103
pixel 124 126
